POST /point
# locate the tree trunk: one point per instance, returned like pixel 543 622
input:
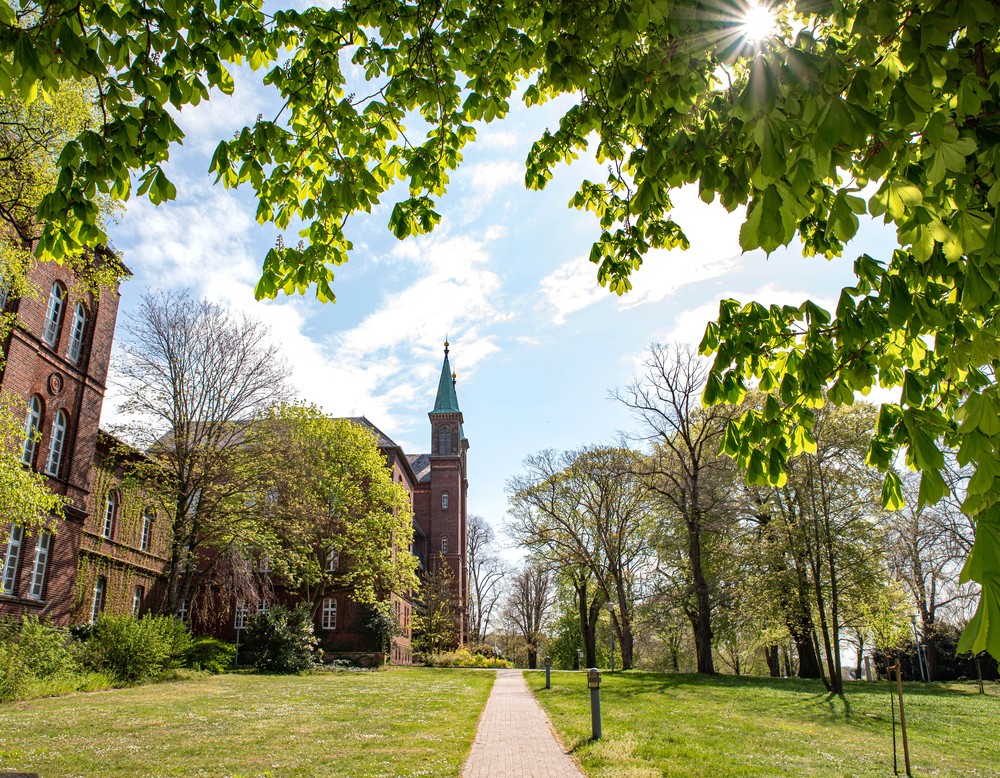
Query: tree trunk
pixel 703 625
pixel 532 658
pixel 773 665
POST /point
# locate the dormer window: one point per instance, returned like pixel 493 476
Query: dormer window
pixel 53 314
pixel 75 349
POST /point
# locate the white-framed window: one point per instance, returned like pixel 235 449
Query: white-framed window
pixel 262 607
pixel 4 291
pixel 53 314
pixel 11 558
pixel 42 546
pixel 110 514
pixel 138 595
pixel 182 612
pixel 100 585
pixel 264 565
pixel 444 501
pixel 332 560
pixel 75 349
pixel 57 442
pixel 444 544
pixel 329 613
pixel 32 422
pixel 146 535
pixel 240 619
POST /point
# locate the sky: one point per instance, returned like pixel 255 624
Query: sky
pixel 537 344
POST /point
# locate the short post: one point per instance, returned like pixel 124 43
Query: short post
pixel 548 671
pixel 579 660
pixel 594 682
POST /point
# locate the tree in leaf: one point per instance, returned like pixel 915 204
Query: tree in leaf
pixel 852 108
pixel 334 516
pixel 435 625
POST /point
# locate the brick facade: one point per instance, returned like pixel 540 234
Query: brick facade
pixel 115 537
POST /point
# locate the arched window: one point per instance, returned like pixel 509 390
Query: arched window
pixel 444 440
pixel 32 421
pixel 110 514
pixel 56 444
pixel 444 501
pixel 53 314
pixel 8 579
pixel 76 333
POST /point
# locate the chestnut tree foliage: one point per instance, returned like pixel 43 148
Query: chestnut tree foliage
pixel 880 107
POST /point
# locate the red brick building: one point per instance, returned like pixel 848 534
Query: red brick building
pixel 57 361
pixel 111 548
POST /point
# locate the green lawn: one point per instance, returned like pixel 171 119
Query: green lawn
pixel 404 721
pixel 682 725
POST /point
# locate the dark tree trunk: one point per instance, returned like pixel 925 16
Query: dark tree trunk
pixel 532 659
pixel 589 614
pixel 773 663
pixel 703 623
pixel 805 648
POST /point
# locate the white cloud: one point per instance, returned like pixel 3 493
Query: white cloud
pixel 571 287
pixel 715 251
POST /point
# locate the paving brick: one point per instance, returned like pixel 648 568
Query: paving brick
pixel 515 737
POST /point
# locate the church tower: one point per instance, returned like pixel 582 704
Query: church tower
pixel 449 487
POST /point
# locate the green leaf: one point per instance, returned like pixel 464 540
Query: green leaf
pixel 892 492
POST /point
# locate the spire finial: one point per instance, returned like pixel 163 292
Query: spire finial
pixel 454 378
pixel 446 344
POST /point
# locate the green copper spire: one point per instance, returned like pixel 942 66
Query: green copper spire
pixel 447 400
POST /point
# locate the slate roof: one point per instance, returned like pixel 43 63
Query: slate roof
pixel 421 466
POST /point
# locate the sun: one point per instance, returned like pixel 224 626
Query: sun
pixel 758 23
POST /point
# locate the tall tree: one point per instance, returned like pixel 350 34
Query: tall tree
pixel 926 547
pixel 684 468
pixel 336 518
pixel 435 625
pixel 529 599
pixel 590 511
pixel 487 572
pixel 193 376
pixel 793 127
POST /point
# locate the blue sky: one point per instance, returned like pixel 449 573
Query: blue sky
pixel 536 343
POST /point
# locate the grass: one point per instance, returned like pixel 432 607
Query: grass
pixel 404 721
pixel 683 725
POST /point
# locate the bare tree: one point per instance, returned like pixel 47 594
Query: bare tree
pixel 927 547
pixel 193 375
pixel 486 575
pixel 589 510
pixel 684 467
pixel 531 595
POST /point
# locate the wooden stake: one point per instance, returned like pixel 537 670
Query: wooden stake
pixel 902 716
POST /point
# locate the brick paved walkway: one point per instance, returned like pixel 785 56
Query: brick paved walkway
pixel 515 738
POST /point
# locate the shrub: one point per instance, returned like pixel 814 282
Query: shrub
pixel 14 675
pixel 32 650
pixel 135 650
pixel 280 640
pixel 464 658
pixel 210 654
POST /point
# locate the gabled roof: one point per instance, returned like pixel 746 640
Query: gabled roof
pixel 384 441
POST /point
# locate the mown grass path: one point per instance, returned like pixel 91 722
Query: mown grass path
pixel 404 721
pixel 682 725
